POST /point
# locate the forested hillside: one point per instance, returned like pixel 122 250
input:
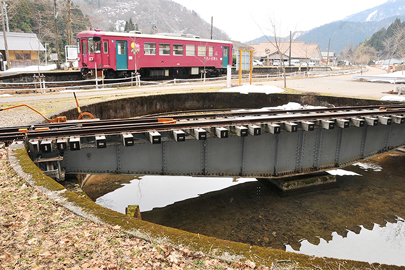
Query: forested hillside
pixel 37 16
pixel 386 43
pixel 379 38
pixel 152 16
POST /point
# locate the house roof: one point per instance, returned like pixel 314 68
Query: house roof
pixel 21 42
pixel 299 50
pixel 325 54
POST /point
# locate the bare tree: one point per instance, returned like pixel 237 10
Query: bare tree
pixel 389 49
pixel 279 51
pixel 399 44
pixel 364 54
pixel 276 42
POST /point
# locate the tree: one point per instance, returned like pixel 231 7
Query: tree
pixel 129 26
pixel 388 49
pixel 399 42
pixel 364 54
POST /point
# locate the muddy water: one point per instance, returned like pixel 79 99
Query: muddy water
pixel 249 212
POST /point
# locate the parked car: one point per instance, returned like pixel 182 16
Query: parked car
pixel 257 63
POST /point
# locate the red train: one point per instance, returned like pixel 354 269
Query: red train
pixel 153 56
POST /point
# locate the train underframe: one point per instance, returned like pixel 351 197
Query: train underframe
pixel 157 73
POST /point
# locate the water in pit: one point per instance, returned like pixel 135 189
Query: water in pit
pixel 365 211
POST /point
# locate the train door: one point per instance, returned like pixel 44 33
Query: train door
pixel 122 57
pixel 225 57
pixel 106 52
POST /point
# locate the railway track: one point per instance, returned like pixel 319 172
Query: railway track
pixel 290 120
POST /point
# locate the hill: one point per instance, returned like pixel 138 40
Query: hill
pixel 344 33
pixel 356 28
pixel 392 8
pixel 152 16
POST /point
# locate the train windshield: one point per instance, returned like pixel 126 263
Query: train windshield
pixel 94 44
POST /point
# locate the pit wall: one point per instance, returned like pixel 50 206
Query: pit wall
pixel 137 106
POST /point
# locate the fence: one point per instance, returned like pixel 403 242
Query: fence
pixel 135 81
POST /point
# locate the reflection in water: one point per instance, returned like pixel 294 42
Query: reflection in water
pixel 381 244
pixel 249 212
pixel 151 191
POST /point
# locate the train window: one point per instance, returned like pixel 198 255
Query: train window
pixel 121 47
pixel 202 50
pixel 178 49
pixel 84 48
pixel 190 50
pixel 78 45
pixel 91 45
pixel 105 46
pixel 164 49
pixel 98 47
pixel 211 51
pixel 150 48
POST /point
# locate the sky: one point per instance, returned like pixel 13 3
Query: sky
pixel 247 20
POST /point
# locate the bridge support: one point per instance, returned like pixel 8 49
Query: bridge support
pixel 288 186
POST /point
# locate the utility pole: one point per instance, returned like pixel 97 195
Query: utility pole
pixel 327 57
pixel 212 25
pixel 289 56
pixel 5 35
pixel 6 16
pixel 69 33
pixel 57 35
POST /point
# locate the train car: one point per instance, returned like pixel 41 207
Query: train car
pixel 119 55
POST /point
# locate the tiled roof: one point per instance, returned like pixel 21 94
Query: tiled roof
pixel 299 50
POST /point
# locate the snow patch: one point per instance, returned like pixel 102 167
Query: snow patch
pixel 246 89
pixel 30 68
pixel 369 166
pixel 5 95
pixel 341 172
pixel 372 14
pixel 393 98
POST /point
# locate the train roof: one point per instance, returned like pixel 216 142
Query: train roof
pixel 157 36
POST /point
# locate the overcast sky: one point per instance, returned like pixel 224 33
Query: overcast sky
pixel 242 20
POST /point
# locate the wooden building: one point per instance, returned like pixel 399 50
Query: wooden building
pixel 23 49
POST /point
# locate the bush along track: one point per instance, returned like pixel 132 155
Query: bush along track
pixel 45 226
